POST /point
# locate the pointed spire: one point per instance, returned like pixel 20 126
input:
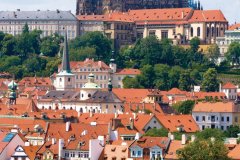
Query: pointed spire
pixel 65 57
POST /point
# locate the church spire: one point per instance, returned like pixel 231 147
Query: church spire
pixel 65 57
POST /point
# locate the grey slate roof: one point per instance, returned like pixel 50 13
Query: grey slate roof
pixel 62 95
pixel 37 15
pixel 65 57
pixel 74 96
pixel 104 97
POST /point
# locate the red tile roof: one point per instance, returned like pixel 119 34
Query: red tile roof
pixel 172 122
pixel 149 142
pixel 234 27
pixel 207 16
pixel 172 150
pixel 128 71
pixel 224 107
pixel 229 85
pixel 161 16
pixel 234 154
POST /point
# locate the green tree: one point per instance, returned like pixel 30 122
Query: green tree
pixel 25 29
pixel 82 53
pixel 185 81
pixel 210 81
pixel 8 44
pixel 161 76
pixel 174 76
pixel 154 132
pixel 94 40
pixel 208 133
pixel 204 150
pixel 148 50
pixel 130 82
pixel 233 53
pixel 50 46
pixel 232 131
pixel 194 43
pixel 213 53
pixel 184 107
pixel 147 77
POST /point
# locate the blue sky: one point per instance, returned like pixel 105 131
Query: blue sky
pixel 230 8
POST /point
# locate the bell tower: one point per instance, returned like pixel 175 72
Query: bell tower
pixel 65 80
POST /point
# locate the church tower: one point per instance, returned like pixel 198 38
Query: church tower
pixel 65 80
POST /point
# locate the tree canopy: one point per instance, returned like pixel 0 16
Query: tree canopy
pixel 204 149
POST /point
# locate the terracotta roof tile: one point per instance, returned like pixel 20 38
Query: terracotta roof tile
pixel 229 85
pixel 234 27
pixel 128 71
pixel 172 150
pixel 173 122
pixel 31 151
pixel 234 154
pixel 224 107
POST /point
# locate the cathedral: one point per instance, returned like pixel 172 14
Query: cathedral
pixel 86 7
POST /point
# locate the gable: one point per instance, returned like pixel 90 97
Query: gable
pixel 19 149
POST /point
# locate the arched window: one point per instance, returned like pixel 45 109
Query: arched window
pixel 198 32
pixel 69 79
pixel 81 110
pixel 60 79
pixel 208 31
pixel 191 31
pixel 42 107
pixel 49 107
pixel 71 108
pixel 213 31
pixel 82 95
pixel 94 111
pixel 64 108
pixel 89 95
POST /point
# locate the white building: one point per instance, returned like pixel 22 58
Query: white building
pixel 89 99
pixel 49 22
pixel 102 72
pixel 214 115
pixel 230 90
pixel 224 42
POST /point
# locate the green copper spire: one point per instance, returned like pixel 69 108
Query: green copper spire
pixel 65 57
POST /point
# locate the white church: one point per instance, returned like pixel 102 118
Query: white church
pixel 90 98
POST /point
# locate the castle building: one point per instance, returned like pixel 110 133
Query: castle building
pixel 106 6
pixel 49 22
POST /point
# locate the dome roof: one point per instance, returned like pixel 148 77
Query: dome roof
pixel 91 86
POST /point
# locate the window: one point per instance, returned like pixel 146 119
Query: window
pixel 69 79
pixel 197 118
pixel 191 32
pixel 222 119
pixel 236 119
pixel 222 127
pixel 60 79
pixel 203 118
pixel 164 34
pixel 198 32
pixel 66 154
pixel 228 119
pixel 203 127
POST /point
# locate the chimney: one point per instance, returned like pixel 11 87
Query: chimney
pixel 182 14
pixel 184 139
pixel 134 116
pixel 143 106
pixel 220 87
pixel 131 123
pixel 193 138
pixel 172 137
pixel 91 114
pixel 68 126
pixel 115 115
pixel 53 141
pixel 60 148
